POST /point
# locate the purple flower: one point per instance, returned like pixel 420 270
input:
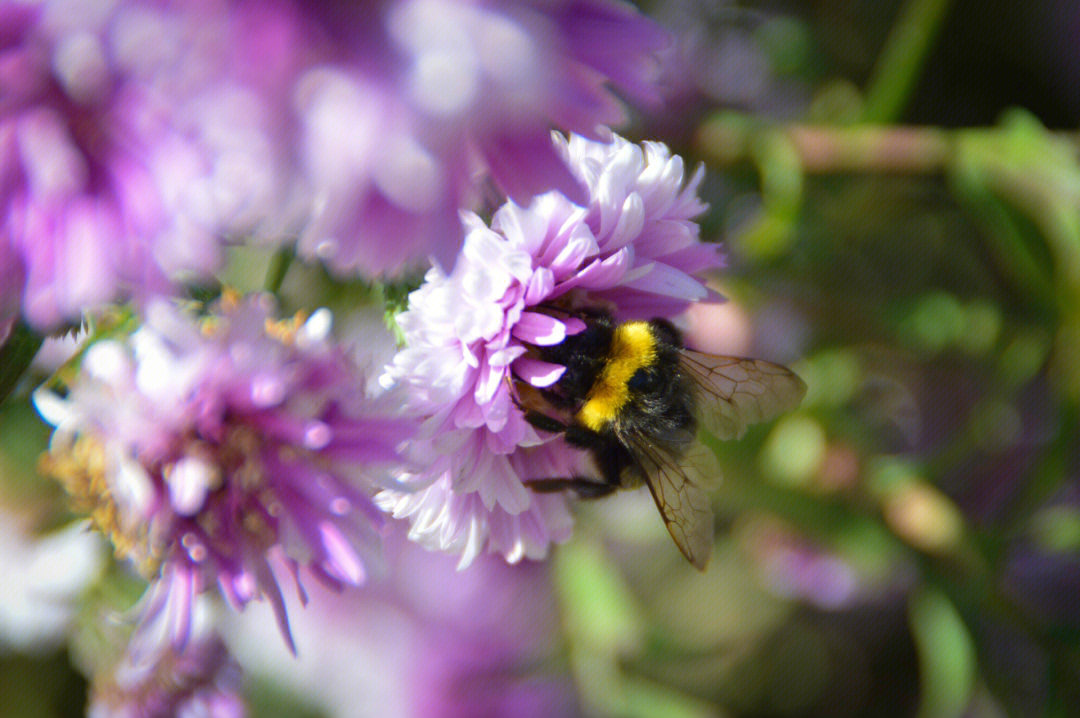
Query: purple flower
pixel 794 567
pixel 135 136
pixel 397 108
pixel 198 680
pixel 124 154
pixel 204 448
pixel 631 249
pixel 424 641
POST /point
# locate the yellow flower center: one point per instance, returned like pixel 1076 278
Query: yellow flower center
pixel 81 468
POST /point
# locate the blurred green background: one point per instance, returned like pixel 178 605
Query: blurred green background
pixel 898 188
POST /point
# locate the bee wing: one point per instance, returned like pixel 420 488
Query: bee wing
pixel 733 392
pixel 675 481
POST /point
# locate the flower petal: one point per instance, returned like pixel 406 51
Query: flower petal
pixel 539 329
pixel 341 559
pixel 540 374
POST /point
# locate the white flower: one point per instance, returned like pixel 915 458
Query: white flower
pixel 43 578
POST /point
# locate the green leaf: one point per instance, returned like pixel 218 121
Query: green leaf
pixel 598 607
pixel 772 233
pixel 270 699
pixel 602 622
pixel 15 356
pixel 646 699
pixel 946 655
pixel 40 686
pixel 1028 171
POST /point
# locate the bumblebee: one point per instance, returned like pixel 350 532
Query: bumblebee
pixel 633 396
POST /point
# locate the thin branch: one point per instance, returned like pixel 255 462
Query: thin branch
pixel 729 139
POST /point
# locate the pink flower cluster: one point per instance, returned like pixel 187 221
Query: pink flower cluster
pixel 137 137
pixel 206 447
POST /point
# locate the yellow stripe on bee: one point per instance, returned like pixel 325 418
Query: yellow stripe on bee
pixel 633 346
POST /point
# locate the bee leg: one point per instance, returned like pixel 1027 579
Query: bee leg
pixel 584 488
pixel 544 422
pixel 556 399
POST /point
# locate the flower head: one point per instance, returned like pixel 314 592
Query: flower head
pixel 119 171
pixel 632 249
pixel 202 448
pixel 423 641
pixel 135 136
pixel 197 679
pixel 398 108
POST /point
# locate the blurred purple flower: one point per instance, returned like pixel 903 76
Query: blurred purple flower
pixel 723 53
pixel 203 448
pixel 135 137
pixel 124 156
pixel 198 680
pixel 399 107
pixel 632 249
pixel 1041 566
pixel 1043 583
pixel 797 568
pixel 424 641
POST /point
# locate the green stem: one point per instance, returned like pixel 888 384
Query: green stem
pixel 15 356
pixel 1051 472
pixel 279 267
pixel 979 599
pixel 900 64
pixel 1004 238
pixel 728 139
